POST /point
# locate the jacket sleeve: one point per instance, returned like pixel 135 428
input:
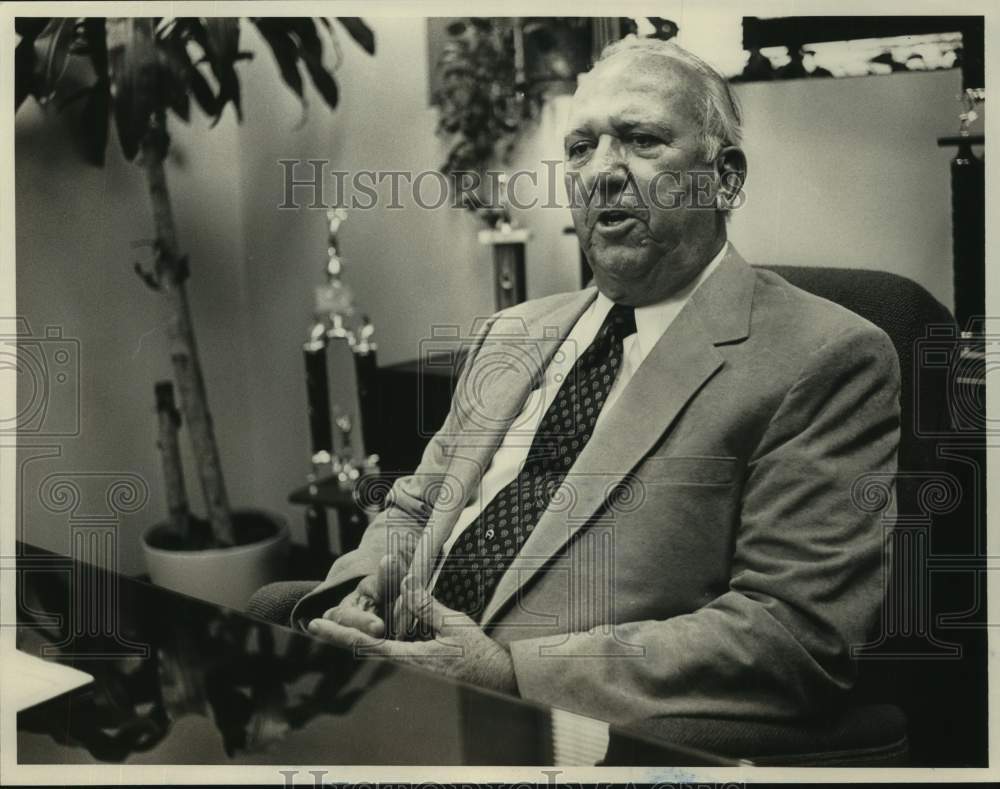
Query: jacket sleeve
pixel 409 503
pixel 807 576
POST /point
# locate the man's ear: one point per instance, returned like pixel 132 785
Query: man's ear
pixel 731 167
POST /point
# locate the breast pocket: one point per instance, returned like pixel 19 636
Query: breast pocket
pixel 688 470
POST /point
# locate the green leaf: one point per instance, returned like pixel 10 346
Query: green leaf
pixel 360 32
pixel 311 50
pixel 222 35
pixel 94 34
pixel 175 78
pixel 185 74
pixel 324 82
pixel 197 30
pixel 30 26
pixel 202 92
pixel 135 77
pixel 26 78
pixel 24 71
pixel 95 122
pixel 276 34
pixel 53 44
pixel 174 74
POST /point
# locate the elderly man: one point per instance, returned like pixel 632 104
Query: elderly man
pixel 652 514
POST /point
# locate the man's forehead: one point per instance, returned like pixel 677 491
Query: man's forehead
pixel 641 70
pixel 642 85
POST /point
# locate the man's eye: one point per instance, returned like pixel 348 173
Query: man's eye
pixel 643 140
pixel 580 148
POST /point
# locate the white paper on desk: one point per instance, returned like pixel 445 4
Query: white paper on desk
pixel 27 680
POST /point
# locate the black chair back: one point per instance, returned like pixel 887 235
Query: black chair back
pixel 931 658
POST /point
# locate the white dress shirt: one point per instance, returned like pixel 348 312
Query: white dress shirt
pixel 651 322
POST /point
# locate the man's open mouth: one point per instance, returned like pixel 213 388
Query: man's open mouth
pixel 613 217
pixel 615 221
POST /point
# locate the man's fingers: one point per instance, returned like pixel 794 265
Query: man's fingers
pixel 404 615
pixel 434 617
pixel 421 605
pixel 343 636
pixel 352 597
pixel 356 618
pixel 388 578
pixel 367 588
pixel 401 618
pixel 390 573
pixel 363 644
pixel 362 597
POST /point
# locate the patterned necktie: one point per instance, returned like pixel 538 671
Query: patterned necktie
pixel 484 551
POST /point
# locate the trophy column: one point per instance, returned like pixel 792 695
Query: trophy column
pixel 509 278
pixel 341 369
pixel 509 244
pixel 321 439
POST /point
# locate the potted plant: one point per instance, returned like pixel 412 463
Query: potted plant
pixel 137 71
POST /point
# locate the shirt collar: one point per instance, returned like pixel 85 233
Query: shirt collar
pixel 653 320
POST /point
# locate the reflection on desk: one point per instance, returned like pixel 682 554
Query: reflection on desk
pixel 181 681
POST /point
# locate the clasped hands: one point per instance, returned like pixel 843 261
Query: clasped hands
pixel 454 644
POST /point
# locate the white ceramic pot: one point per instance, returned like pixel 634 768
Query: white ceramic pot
pixel 227 576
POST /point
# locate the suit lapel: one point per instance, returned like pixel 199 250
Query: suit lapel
pixel 506 369
pixel 671 375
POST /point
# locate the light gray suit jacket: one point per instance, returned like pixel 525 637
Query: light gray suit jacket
pixel 709 552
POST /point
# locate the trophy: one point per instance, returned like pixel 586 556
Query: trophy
pixel 340 383
pixel 508 243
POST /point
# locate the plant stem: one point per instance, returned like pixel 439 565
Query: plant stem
pixel 169 420
pixel 172 271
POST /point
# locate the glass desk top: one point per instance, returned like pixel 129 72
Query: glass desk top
pixel 182 681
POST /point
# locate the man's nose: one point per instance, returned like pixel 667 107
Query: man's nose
pixel 610 155
pixel 610 171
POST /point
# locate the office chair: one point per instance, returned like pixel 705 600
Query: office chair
pixel 901 704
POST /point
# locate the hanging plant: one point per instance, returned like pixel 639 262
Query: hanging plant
pixel 481 108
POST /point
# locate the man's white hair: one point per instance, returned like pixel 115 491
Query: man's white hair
pixel 720 113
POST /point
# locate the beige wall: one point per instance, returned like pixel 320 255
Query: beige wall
pixel 847 172
pixel 843 172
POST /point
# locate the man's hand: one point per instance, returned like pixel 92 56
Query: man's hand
pixel 366 608
pixel 458 649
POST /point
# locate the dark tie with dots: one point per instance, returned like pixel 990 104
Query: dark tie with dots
pixel 484 551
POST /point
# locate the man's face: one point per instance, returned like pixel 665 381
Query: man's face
pixel 634 147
